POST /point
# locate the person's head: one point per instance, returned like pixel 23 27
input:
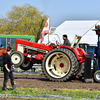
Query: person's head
pixel 64 36
pixel 1 45
pixel 9 49
pixel 97 43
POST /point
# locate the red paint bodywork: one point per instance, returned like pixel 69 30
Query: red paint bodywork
pixel 77 51
pixel 2 51
pixel 33 44
pixel 39 55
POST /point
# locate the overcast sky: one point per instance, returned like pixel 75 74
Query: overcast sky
pixel 58 10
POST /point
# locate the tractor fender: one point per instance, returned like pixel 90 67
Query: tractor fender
pixel 79 53
pixel 75 51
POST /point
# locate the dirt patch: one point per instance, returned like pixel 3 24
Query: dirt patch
pixel 39 81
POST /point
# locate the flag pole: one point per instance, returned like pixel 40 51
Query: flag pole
pixel 48 36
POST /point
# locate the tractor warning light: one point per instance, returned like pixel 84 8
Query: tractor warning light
pixel 97 29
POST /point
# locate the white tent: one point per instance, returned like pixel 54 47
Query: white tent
pixel 71 28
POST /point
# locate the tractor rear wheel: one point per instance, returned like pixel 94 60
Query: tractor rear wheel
pixel 17 58
pixel 26 65
pixel 81 70
pixel 59 64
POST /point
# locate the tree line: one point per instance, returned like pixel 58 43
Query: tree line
pixel 24 20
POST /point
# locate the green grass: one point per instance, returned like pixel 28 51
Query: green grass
pixel 80 93
pixel 63 92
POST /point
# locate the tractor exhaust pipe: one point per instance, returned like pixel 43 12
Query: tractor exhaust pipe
pixel 38 36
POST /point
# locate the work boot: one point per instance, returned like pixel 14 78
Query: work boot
pixel 4 89
pixel 14 87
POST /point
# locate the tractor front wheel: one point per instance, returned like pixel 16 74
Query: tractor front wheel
pixel 17 58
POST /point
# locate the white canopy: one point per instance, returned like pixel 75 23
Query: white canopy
pixel 71 28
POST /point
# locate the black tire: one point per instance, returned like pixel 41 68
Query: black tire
pixel 81 70
pixel 59 64
pixel 17 58
pixel 26 65
pixel 97 76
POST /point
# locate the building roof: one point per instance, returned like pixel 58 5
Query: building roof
pixel 81 28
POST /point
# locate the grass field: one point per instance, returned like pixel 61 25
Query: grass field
pixel 62 92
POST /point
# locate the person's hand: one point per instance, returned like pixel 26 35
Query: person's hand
pixel 94 54
pixel 8 70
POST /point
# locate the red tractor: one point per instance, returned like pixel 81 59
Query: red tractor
pixel 59 62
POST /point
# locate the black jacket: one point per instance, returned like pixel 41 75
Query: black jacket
pixel 7 60
pixel 96 52
pixel 67 42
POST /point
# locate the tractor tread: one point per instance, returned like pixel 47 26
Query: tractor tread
pixel 73 60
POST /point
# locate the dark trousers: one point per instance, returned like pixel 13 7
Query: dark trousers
pixel 6 76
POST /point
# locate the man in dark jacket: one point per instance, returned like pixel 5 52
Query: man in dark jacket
pixel 7 69
pixel 96 52
pixel 66 41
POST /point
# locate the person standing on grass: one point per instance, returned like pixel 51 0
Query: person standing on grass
pixel 7 69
